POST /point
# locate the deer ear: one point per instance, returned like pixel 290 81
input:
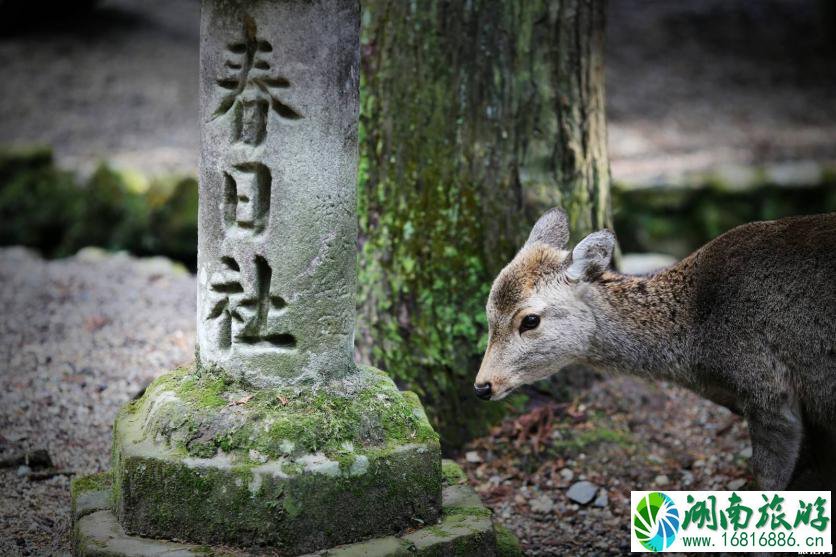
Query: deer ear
pixel 552 229
pixel 591 256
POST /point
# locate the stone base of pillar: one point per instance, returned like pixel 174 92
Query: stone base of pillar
pixel 465 528
pixel 208 460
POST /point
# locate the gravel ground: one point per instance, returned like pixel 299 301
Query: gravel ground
pixel 692 86
pixel 78 338
pixel 695 86
pixel 118 84
pixel 618 434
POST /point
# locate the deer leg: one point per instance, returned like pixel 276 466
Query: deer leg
pixel 776 443
pixel 814 469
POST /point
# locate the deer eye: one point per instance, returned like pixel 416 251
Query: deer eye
pixel 529 322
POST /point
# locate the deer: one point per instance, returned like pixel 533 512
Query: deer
pixel 747 321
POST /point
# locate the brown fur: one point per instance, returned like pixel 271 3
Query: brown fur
pixel 537 264
pixel 748 320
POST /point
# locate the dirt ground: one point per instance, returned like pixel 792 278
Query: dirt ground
pixel 692 85
pixel 619 434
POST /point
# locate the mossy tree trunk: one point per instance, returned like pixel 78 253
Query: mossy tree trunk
pixel 475 117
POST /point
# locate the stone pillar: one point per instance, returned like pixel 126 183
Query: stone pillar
pixel 277 226
pixel 275 438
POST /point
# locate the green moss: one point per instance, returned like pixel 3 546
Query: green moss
pixel 466 511
pixel 678 220
pixel 452 473
pixel 165 497
pixel 54 211
pixel 507 544
pixel 291 507
pixel 578 441
pixel 285 422
pixel 292 468
pixel 438 531
pixel 91 482
pixel 346 461
pixel 206 393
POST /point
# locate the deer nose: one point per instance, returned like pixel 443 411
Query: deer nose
pixel 483 391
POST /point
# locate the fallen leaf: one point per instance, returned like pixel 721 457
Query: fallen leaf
pixel 242 400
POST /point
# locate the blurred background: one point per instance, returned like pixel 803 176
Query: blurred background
pixel 718 112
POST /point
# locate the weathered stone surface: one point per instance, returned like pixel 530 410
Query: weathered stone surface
pixel 99 535
pixel 205 459
pixel 277 220
pixel 90 494
pixel 465 529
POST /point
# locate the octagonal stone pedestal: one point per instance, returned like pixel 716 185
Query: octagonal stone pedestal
pixel 208 460
pixel 464 529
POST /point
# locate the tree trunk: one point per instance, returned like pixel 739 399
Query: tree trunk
pixel 476 116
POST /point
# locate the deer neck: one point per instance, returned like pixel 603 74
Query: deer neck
pixel 643 325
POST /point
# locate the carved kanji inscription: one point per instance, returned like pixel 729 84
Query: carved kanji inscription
pixel 252 87
pixel 247 198
pixel 246 315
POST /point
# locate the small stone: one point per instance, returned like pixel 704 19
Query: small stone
pixel 661 479
pixel 686 460
pixel 582 492
pixel 23 471
pixel 746 453
pixel 687 478
pixel 567 475
pixel 473 457
pixel 602 500
pixel 542 504
pixel 734 485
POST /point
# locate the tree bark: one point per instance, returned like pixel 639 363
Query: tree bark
pixel 476 116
